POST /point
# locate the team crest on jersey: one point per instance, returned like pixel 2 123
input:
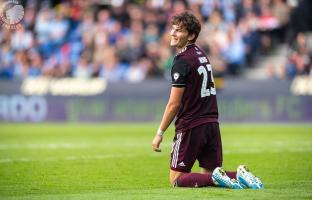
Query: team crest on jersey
pixel 176 76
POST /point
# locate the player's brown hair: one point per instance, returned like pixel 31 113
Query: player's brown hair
pixel 189 22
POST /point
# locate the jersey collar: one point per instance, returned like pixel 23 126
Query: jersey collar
pixel 185 48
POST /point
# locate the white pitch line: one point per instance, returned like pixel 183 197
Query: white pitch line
pixel 6 160
pixel 278 150
pixel 69 158
pixel 279 145
pixel 109 156
pixel 53 146
pixel 43 146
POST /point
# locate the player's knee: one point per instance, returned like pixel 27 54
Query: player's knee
pixel 173 181
pixel 174 175
pixel 206 170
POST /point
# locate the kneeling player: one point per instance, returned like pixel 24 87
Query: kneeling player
pixel 194 104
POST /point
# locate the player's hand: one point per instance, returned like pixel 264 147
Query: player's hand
pixel 156 142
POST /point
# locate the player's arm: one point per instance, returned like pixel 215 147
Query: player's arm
pixel 179 75
pixel 170 112
pixel 172 107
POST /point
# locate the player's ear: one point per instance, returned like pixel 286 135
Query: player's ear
pixel 191 37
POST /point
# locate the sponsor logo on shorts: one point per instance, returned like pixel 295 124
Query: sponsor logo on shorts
pixel 181 164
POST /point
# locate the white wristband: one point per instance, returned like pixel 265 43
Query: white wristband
pixel 160 132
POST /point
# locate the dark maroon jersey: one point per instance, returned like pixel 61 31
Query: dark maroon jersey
pixel 191 69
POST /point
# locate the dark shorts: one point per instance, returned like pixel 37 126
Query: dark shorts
pixel 202 143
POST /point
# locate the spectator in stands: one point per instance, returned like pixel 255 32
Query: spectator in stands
pixel 250 37
pixel 111 67
pixel 235 51
pixel 137 72
pixel 82 70
pixel 299 60
pixel 215 57
pixel 21 39
pixel 281 11
pixel 6 61
pixel 36 63
pixel 21 64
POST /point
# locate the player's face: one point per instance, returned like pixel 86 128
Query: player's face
pixel 179 36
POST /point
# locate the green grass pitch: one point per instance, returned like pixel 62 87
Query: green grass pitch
pixel 115 161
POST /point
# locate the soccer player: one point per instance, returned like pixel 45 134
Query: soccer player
pixel 194 104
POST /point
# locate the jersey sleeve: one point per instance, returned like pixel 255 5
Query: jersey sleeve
pixel 179 73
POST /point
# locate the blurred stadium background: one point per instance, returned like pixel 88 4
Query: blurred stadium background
pixel 114 54
pixel 106 63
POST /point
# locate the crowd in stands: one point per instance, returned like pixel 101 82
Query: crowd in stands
pixel 129 40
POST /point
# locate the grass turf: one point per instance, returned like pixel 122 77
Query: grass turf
pixel 115 161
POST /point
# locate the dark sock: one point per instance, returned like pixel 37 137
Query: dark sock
pixel 195 180
pixel 232 175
